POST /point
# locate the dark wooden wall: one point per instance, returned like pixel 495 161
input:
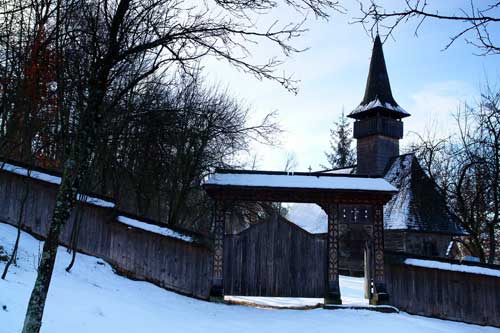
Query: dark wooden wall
pixel 374 153
pixel 419 243
pixel 467 297
pixel 275 258
pixel 171 263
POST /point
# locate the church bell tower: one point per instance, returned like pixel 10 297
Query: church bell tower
pixel 378 126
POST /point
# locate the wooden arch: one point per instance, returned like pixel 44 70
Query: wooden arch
pixel 327 190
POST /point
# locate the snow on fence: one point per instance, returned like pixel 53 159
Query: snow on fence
pixel 45 177
pixel 453 267
pixel 153 228
pixel 135 248
pixel 444 288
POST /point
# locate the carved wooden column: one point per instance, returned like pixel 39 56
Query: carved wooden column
pixel 217 290
pixel 380 295
pixel 332 294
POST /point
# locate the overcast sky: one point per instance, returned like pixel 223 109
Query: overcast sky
pixel 427 82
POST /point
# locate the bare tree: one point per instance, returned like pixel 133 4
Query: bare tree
pixel 291 162
pixel 20 220
pixel 466 168
pixel 477 22
pixel 122 43
pixel 160 144
pixel 26 72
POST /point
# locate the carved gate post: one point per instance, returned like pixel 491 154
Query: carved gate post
pixel 380 295
pixel 217 289
pixel 368 266
pixel 332 294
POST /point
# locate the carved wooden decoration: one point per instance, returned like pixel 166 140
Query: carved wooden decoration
pixel 333 287
pixel 378 242
pixel 218 261
pixel 380 294
pixel 333 246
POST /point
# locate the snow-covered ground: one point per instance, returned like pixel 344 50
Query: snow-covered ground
pixel 351 289
pixel 93 299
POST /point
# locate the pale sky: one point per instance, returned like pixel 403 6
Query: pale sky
pixel 427 82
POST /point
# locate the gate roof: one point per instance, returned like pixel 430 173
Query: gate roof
pixel 297 187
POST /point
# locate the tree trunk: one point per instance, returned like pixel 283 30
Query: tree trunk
pixel 74 235
pixel 478 248
pixel 492 243
pixel 64 202
pixel 19 225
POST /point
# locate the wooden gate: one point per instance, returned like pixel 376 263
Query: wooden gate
pixel 275 258
pixel 277 261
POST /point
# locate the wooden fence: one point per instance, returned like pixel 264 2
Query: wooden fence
pixel 275 258
pixel 178 265
pixel 446 294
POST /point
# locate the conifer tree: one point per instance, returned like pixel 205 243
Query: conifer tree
pixel 341 154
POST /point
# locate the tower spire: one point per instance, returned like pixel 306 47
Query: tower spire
pixel 378 126
pixel 378 95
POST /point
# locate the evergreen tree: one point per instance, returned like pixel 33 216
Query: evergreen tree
pixel 341 154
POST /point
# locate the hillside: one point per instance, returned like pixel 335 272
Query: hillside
pixel 93 299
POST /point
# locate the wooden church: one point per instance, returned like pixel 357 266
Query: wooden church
pixel 416 219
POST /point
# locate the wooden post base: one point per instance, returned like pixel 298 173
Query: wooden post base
pixel 332 295
pixel 379 298
pixel 217 294
pixel 333 298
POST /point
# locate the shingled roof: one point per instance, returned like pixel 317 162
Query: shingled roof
pixel 418 205
pixel 378 95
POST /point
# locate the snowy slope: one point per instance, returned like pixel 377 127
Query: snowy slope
pixel 93 299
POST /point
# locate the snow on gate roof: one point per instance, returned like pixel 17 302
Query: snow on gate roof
pixel 299 181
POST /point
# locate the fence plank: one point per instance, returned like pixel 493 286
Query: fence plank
pixel 275 258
